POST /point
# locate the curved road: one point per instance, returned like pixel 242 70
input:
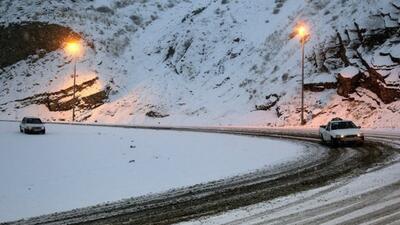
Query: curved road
pixel 329 166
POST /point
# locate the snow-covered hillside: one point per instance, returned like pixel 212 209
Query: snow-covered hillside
pixel 211 62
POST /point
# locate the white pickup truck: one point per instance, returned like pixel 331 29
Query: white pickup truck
pixel 339 131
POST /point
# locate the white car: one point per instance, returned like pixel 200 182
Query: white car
pixel 31 125
pixel 339 131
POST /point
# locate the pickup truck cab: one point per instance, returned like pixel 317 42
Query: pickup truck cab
pixel 339 131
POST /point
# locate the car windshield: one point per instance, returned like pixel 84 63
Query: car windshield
pixel 34 121
pixel 343 125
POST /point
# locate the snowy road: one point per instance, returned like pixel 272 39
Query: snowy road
pixel 343 185
pixel 79 166
pixel 369 197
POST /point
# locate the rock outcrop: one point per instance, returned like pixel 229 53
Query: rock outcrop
pixel 62 100
pixel 343 52
pixel 348 81
pixel 271 99
pixel 31 38
pixel 321 86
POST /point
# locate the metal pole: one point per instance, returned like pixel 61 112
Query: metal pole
pixel 302 81
pixel 73 101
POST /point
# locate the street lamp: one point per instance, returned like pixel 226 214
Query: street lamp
pixel 74 49
pixel 302 32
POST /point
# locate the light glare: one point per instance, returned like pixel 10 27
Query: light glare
pixel 73 48
pixel 302 31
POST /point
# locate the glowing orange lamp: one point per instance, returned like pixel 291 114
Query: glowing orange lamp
pixel 303 33
pixel 74 49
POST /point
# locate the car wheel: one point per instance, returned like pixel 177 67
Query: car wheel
pixel 44 131
pixel 334 142
pixel 322 139
pixel 20 130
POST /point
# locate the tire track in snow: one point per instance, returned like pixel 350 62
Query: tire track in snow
pixel 379 206
pixel 219 196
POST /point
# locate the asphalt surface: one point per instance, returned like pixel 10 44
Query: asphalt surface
pixel 326 167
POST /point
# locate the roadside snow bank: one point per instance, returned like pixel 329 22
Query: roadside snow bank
pixel 77 166
pixel 343 202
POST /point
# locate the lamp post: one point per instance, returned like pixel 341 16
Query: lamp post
pixel 74 49
pixel 74 102
pixel 304 35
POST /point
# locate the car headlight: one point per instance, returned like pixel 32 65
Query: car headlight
pixel 342 136
pixel 360 134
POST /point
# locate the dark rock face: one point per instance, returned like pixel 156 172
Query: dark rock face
pixel 318 87
pixel 347 85
pixel 105 9
pixel 345 50
pixel 389 95
pixel 19 41
pixel 386 93
pixel 371 80
pixel 56 101
pixel 194 13
pixel 154 114
pixel 272 100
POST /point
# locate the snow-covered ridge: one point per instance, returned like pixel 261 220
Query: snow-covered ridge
pixel 211 62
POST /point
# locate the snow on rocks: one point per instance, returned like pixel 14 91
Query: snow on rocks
pixel 200 61
pixel 349 72
pixel 395 51
pixel 348 80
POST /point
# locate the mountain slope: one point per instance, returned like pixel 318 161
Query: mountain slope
pixel 213 62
